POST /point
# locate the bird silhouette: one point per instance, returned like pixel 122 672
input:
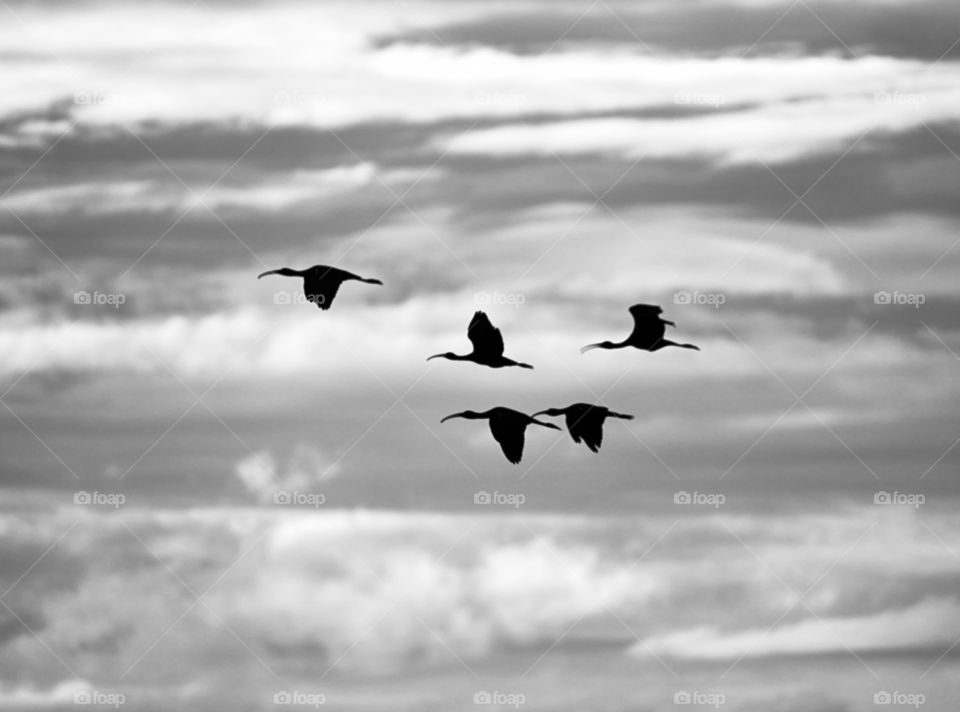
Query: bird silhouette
pixel 320 282
pixel 487 345
pixel 648 330
pixel 585 422
pixel 508 427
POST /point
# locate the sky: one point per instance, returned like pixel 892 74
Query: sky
pixel 775 530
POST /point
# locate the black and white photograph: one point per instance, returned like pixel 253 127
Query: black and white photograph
pixel 462 355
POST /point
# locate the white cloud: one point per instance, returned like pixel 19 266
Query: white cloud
pixel 278 193
pixel 63 693
pixel 306 469
pixel 292 65
pixel 772 133
pixel 930 622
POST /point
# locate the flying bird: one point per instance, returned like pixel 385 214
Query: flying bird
pixel 320 282
pixel 648 330
pixel 487 345
pixel 585 422
pixel 508 427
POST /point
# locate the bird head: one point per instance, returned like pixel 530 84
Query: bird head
pixel 551 412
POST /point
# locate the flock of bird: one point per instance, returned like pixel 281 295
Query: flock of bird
pixel 584 421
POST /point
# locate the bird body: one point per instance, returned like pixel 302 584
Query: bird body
pixel 648 332
pixel 320 282
pixel 508 427
pixel 585 422
pixel 487 345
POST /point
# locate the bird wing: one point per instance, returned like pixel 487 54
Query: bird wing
pixel 645 311
pixel 587 425
pixel 322 289
pixel 510 435
pixel 322 283
pixel 485 337
pixel 648 327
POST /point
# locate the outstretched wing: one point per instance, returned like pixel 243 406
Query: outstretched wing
pixel 485 337
pixel 510 436
pixel 587 425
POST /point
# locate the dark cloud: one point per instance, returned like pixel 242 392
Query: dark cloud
pixel 928 31
pixel 886 174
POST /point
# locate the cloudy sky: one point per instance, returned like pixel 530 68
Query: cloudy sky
pixel 783 177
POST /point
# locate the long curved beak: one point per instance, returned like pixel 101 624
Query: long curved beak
pixel 434 356
pixel 542 412
pixel 588 347
pixel 283 272
pixel 547 425
pixel 455 415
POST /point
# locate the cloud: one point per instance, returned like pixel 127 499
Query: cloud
pixel 931 622
pixel 63 693
pixel 307 469
pixel 279 192
pixel 773 133
pixel 919 29
pixel 380 592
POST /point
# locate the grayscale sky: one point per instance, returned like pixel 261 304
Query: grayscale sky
pixel 782 177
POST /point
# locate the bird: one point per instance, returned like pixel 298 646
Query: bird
pixel 487 345
pixel 508 427
pixel 648 330
pixel 320 282
pixel 585 422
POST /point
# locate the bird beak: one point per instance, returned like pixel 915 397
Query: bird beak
pixel 455 415
pixel 273 271
pixel 541 412
pixel 588 347
pixel 434 356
